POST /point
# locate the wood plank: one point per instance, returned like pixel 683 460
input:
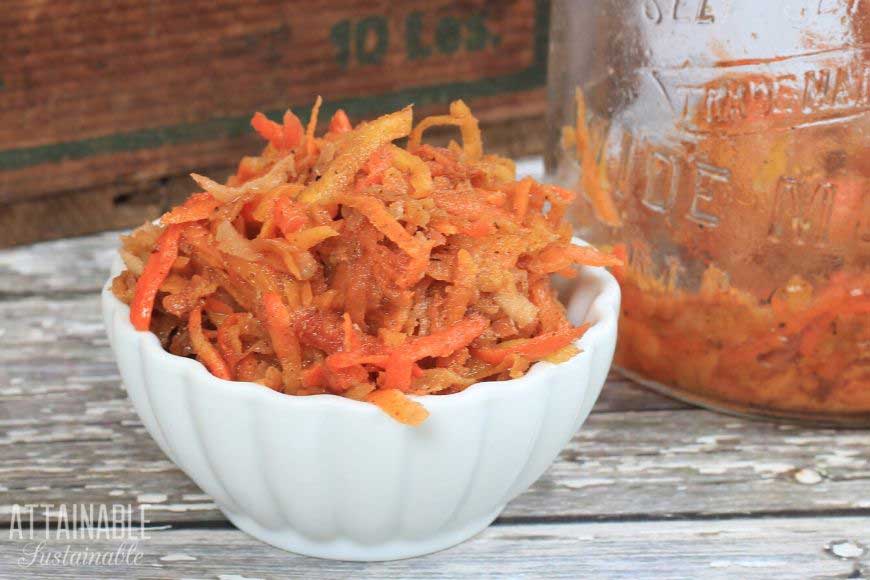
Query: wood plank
pixel 67 433
pixel 124 100
pixel 71 265
pixel 127 61
pixel 781 548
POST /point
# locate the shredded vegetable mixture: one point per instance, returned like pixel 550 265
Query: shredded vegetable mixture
pixel 346 264
pixel 773 325
pixel 804 351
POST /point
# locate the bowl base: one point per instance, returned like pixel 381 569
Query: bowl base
pixel 344 549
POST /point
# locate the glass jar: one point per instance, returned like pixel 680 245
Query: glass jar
pixel 724 147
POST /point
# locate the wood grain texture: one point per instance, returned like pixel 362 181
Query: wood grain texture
pixel 108 101
pixel 792 548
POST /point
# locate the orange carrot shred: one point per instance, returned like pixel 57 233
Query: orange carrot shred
pixel 602 202
pixel 398 406
pixel 443 343
pixel 376 212
pixel 314 376
pixel 292 130
pixel 289 216
pixel 199 206
pixel 521 198
pixel 204 349
pixel 213 304
pixel 310 144
pixel 156 269
pixel 340 122
pixel 268 129
pixel 283 339
pixel 535 348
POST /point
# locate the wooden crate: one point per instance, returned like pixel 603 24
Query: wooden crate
pixel 107 105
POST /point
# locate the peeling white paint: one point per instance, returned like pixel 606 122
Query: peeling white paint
pixel 846 549
pixel 807 476
pixel 177 558
pixel 775 564
pixel 183 507
pixel 591 482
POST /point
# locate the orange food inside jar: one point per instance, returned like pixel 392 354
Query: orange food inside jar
pixel 738 192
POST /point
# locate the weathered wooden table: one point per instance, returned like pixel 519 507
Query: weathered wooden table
pixel 647 488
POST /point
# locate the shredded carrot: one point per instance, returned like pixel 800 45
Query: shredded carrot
pixel 340 123
pixel 283 339
pixel 357 267
pixel 229 339
pixel 268 129
pixel 156 269
pixel 376 212
pixel 351 342
pixel 198 207
pixel 288 216
pixel 310 144
pixel 292 130
pixel 399 366
pixel 461 293
pixel 534 348
pixel 361 143
pixel 421 176
pixel 284 136
pixel 521 198
pixel 398 406
pixel 460 116
pixel 205 351
pixel 599 195
pixel 555 258
pixel 375 167
pixel 314 376
pixel 213 304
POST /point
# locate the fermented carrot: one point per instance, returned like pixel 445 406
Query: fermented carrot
pixel 310 144
pixel 534 348
pixel 347 263
pixel 292 130
pixel 268 129
pixel 284 136
pixel 340 122
pixel 205 351
pixel 283 339
pixel 521 198
pixel 443 343
pixel 156 269
pixel 592 174
pixel 398 406
pixel 556 257
pixel 288 216
pixel 198 206
pixel 376 212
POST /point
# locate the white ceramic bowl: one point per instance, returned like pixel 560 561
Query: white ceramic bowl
pixel 336 478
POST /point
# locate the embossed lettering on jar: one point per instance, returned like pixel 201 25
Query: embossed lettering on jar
pixel 722 145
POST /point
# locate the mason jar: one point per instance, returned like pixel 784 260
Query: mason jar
pixel 723 147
